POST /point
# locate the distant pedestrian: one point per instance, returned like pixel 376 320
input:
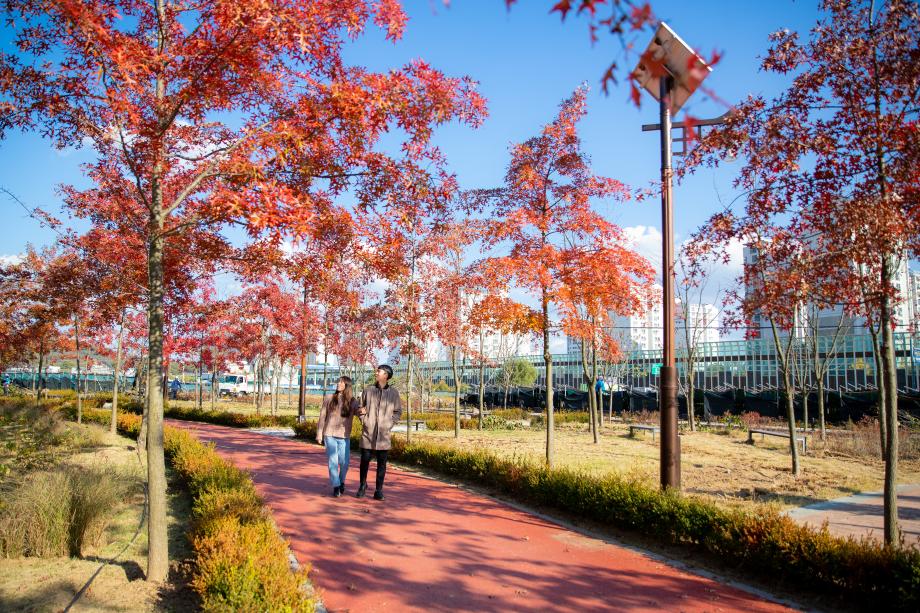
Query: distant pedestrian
pixel 6 385
pixel 381 408
pixel 174 388
pixel 333 429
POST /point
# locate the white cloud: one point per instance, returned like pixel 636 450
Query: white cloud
pixel 646 241
pixel 10 260
pixel 86 143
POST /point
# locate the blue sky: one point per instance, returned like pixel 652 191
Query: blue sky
pixel 526 62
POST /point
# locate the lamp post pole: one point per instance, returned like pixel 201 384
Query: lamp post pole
pixel 302 391
pixel 667 388
pixel 670 71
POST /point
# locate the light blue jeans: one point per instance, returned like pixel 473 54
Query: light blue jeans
pixel 338 451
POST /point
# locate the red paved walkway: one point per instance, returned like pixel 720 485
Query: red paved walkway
pixel 432 546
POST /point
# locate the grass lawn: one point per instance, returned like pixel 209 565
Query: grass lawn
pixel 722 467
pixel 49 584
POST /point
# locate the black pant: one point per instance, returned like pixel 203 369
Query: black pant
pixel 381 465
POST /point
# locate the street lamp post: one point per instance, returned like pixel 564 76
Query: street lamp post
pixel 302 390
pixel 671 71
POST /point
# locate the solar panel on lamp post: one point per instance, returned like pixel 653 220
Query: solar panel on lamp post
pixel 670 71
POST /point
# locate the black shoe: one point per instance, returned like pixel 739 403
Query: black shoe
pixel 336 492
pixel 378 495
pixel 342 490
pixel 361 489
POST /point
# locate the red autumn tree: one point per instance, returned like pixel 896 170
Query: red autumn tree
pixel 398 234
pixel 835 156
pixel 600 278
pixel 150 85
pixel 541 212
pixel 449 294
pixel 493 313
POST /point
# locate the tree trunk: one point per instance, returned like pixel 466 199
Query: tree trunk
pixel 890 383
pixel 409 394
pixel 805 391
pixel 200 387
pixel 691 404
pixel 548 362
pixel 821 407
pixel 158 547
pixel 325 373
pixel 790 418
pixel 691 389
pixel 819 370
pixel 592 400
pixel 482 377
pixel 157 542
pixel 76 335
pixel 114 423
pixel 785 356
pixel 165 379
pixel 879 383
pixel 259 371
pixel 598 406
pixel 215 377
pixel 886 320
pixel 453 359
pixel 41 359
pixel 143 372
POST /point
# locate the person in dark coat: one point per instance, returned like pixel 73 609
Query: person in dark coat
pixel 381 408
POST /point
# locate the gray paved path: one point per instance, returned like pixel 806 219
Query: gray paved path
pixel 861 514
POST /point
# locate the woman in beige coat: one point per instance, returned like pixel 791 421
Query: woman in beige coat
pixel 333 429
pixel 381 407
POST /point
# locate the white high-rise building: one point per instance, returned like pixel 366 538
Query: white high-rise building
pixel 829 318
pixel 642 331
pixel 701 324
pixel 913 301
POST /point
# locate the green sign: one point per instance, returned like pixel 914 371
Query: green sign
pixel 656 369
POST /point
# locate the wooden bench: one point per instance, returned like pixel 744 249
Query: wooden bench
pixel 652 429
pixel 763 433
pixel 417 423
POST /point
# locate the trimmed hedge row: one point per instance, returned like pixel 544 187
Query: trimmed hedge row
pixel 241 561
pixel 221 418
pixel 763 543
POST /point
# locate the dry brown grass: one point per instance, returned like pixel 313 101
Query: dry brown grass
pixel 719 466
pixel 49 584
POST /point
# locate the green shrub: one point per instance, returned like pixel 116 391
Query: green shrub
pixel 213 504
pixel 443 421
pixel 228 418
pixel 764 542
pixel 562 417
pixel 241 560
pixel 243 567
